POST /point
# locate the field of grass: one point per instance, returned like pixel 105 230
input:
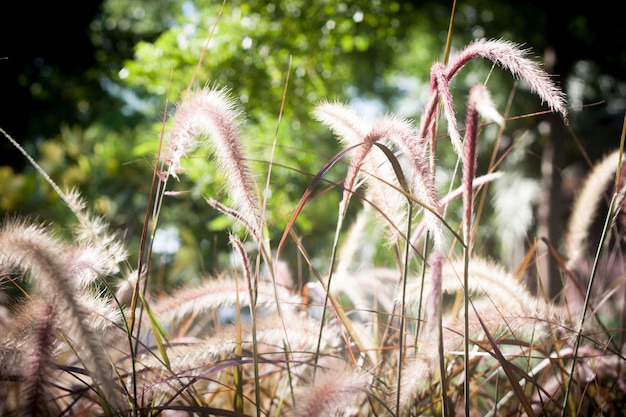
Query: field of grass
pixel 445 331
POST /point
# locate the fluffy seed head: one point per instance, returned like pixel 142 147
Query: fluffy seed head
pixel 513 58
pixel 211 114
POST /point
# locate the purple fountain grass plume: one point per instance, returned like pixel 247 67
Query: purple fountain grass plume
pixel 584 235
pixel 303 336
pixel 434 298
pixel 332 390
pixel 498 287
pixel 487 278
pixel 505 306
pixel 91 230
pixel 441 84
pixel 27 352
pixel 346 123
pixel 418 373
pixel 216 293
pixel 479 99
pixel 38 366
pixel 586 206
pixel 211 114
pixel 350 128
pixel 422 185
pixel 509 56
pixel 513 58
pixel 30 249
pixel 101 251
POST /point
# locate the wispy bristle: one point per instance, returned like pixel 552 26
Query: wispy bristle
pixel 211 114
pixel 213 294
pixel 470 144
pixel 434 298
pixel 515 59
pixel 271 334
pixel 102 251
pixel 30 248
pixel 586 206
pixel 39 361
pixel 332 390
pixel 509 56
pixel 441 82
pixel 351 130
pixel 346 123
pixel 487 278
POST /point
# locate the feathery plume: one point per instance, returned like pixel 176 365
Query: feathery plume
pixel 27 348
pixel 345 123
pixel 434 299
pixel 479 100
pixel 216 293
pixel 509 56
pixel 584 234
pixel 331 391
pixel 504 305
pixel 303 336
pixel 422 185
pixel 38 366
pixel 101 252
pixel 487 280
pixel 29 248
pixel 586 206
pixel 418 373
pixel 350 128
pixel 513 58
pixel 211 114
pixel 441 83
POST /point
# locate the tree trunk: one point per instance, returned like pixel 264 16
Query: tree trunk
pixel 549 212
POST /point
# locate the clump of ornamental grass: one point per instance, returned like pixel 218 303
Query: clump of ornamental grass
pixel 437 330
pixel 61 317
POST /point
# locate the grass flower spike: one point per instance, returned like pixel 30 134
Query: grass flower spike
pixel 211 114
pixel 514 59
pixel 332 391
pixel 479 103
pixel 389 131
pixel 510 57
pixel 30 249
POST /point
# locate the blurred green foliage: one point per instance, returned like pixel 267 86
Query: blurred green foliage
pixel 148 53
